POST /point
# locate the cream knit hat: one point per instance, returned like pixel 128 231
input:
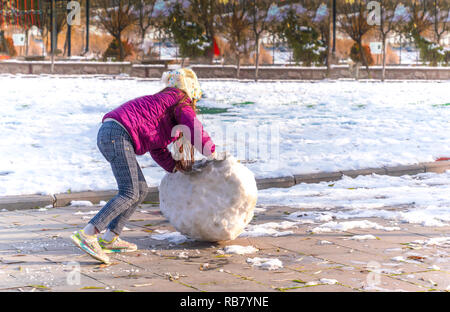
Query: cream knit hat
pixel 184 79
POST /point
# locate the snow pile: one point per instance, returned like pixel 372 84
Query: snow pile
pixel 214 204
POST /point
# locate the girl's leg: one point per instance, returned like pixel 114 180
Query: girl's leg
pixel 117 225
pixel 116 147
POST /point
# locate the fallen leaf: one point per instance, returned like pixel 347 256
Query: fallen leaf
pixel 38 286
pixel 142 285
pixel 129 276
pixel 92 287
pixel 104 265
pixel 418 258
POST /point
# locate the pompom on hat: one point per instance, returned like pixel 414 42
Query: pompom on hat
pixel 184 79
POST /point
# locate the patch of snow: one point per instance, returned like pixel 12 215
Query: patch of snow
pixel 92 212
pixel 328 281
pixel 269 229
pixel 239 250
pixel 86 203
pixel 327 126
pixel 348 225
pixel 173 237
pixel 361 237
pixel 265 263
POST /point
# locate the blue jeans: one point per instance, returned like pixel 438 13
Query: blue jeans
pixel 116 146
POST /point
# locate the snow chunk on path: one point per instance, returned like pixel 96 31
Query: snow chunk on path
pixel 173 237
pixel 328 281
pixel 269 229
pixel 435 241
pixel 92 212
pixel 86 203
pixel 361 237
pixel 265 263
pixel 348 225
pixel 239 250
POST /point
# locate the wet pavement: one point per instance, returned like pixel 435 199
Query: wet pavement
pixel 36 254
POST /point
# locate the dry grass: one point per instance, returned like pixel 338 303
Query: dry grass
pixel 98 43
pixel 265 57
pixel 343 47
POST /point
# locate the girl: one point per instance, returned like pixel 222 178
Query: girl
pixel 142 125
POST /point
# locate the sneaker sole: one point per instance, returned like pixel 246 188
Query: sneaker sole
pixel 117 250
pixel 86 249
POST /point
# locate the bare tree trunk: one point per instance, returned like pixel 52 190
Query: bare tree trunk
pixel 257 58
pixel 121 50
pixel 357 66
pixel 363 57
pixel 328 50
pixel 26 42
pixel 65 46
pixel 383 73
pixel 47 40
pixel 142 44
pixel 238 70
pixel 438 38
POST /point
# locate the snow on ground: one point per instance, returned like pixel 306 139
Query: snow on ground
pixel 423 199
pixel 268 229
pixel 49 127
pixel 81 203
pixel 265 263
pixel 173 237
pixel 348 225
pixel 239 250
pixel 361 237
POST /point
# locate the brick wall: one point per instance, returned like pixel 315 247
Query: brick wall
pixel 229 71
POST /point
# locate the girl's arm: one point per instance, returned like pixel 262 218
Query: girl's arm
pixel 185 115
pixel 164 158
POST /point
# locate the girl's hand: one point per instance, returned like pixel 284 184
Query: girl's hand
pixel 179 167
pixel 212 156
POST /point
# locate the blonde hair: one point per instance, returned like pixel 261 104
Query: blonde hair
pixel 185 80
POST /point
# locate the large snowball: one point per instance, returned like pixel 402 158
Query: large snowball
pixel 214 204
